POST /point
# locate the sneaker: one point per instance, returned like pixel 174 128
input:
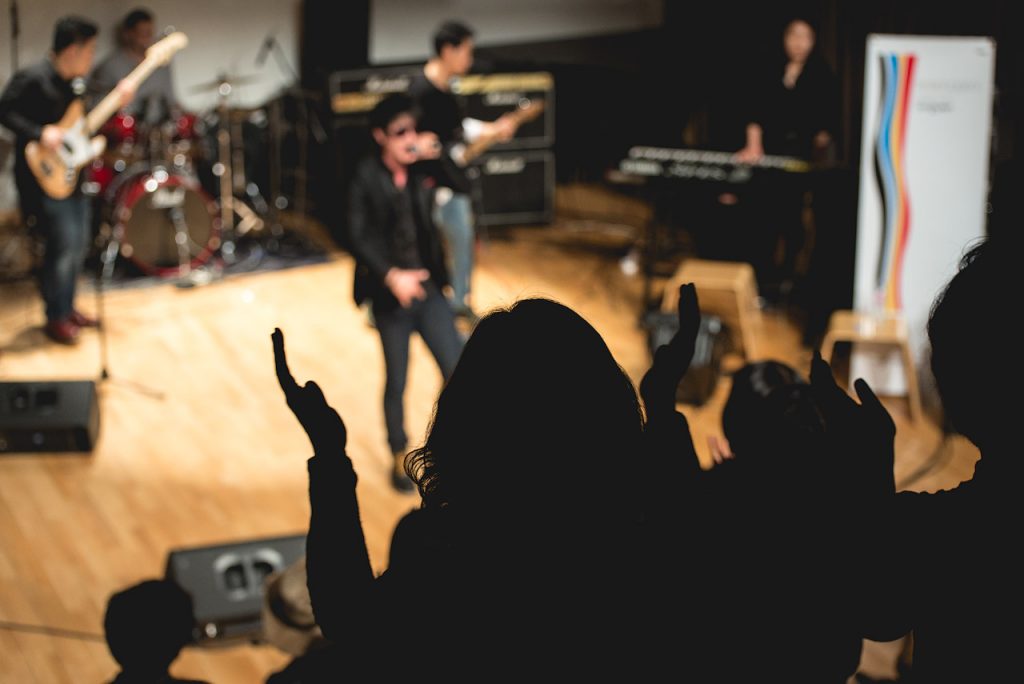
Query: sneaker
pixel 63 331
pixel 399 480
pixel 83 321
pixel 466 313
pixel 402 483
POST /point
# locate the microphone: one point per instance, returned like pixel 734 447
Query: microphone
pixel 268 43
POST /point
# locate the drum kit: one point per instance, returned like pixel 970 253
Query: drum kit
pixel 175 197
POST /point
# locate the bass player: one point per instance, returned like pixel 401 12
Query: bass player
pixel 35 98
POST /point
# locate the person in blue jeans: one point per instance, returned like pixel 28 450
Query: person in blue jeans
pixel 443 126
pixel 400 261
pixel 32 102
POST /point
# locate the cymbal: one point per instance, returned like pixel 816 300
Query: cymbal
pixel 224 79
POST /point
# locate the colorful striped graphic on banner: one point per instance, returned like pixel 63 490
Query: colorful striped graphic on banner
pixel 891 176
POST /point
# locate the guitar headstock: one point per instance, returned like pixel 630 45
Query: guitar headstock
pixel 164 49
pixel 529 109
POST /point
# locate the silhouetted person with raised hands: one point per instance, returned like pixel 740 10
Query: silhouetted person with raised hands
pixel 146 626
pixel 955 574
pixel 780 551
pixel 751 557
pixel 525 553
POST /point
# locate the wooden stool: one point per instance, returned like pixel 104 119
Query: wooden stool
pixel 890 329
pixel 725 288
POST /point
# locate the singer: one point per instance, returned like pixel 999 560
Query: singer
pixel 400 262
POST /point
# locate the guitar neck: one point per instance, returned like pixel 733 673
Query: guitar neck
pixel 109 105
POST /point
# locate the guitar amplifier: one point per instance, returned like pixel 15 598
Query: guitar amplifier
pixel 487 97
pixel 226 582
pixel 48 416
pixel 513 187
pixel 354 92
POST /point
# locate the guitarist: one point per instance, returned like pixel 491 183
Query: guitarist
pixel 35 98
pixel 442 122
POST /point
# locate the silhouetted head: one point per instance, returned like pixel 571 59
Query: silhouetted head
pixel 537 416
pixel 771 420
pixel 972 333
pixel 147 625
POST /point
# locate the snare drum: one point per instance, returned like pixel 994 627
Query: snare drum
pixel 166 221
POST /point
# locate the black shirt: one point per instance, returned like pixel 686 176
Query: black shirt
pixel 791 117
pixel 440 113
pixel 405 239
pixel 35 96
pixel 390 228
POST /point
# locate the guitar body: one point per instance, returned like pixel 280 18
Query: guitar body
pixel 527 111
pixel 56 171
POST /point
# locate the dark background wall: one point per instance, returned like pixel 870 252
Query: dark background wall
pixel 690 77
pixel 688 80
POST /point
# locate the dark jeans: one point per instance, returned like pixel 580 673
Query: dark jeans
pixel 433 319
pixel 64 226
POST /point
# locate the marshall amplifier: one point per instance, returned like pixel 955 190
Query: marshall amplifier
pixel 48 416
pixel 226 582
pixel 513 187
pixel 486 97
pixel 354 92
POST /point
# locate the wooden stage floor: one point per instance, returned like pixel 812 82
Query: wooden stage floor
pixel 219 458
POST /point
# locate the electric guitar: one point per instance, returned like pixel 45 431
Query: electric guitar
pixel 528 110
pixel 57 170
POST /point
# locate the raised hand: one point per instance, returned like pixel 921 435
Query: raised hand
pixel 863 434
pixel 672 360
pixel 322 423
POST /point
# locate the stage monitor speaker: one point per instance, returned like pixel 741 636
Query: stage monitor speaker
pixel 48 416
pixel 711 345
pixel 511 188
pixel 226 582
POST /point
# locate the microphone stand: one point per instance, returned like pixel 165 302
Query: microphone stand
pixel 103 275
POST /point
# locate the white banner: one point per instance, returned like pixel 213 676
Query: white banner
pixel 923 180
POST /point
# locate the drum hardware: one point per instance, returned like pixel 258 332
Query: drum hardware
pixel 230 170
pixel 157 215
pixel 224 83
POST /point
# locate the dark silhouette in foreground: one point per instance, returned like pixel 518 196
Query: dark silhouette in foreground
pixel 146 626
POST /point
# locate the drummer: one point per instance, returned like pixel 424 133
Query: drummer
pixel 155 101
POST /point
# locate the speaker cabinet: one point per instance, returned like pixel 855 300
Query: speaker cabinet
pixel 48 416
pixel 226 582
pixel 513 187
